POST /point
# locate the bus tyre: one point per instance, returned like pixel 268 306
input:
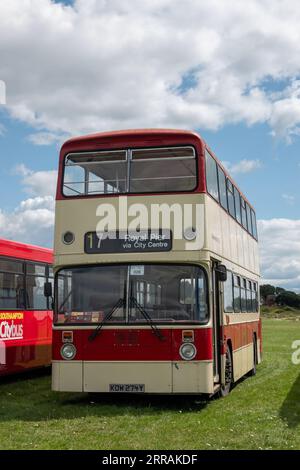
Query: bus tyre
pixel 225 388
pixel 253 370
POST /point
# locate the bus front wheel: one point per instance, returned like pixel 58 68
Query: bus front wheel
pixel 225 388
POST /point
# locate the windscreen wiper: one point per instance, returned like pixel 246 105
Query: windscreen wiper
pixel 156 331
pixel 65 300
pixel 120 303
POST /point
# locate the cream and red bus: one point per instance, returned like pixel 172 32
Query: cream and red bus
pixel 156 268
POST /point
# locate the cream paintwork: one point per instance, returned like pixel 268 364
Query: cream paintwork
pixel 243 361
pixel 159 377
pixel 67 376
pixel 193 377
pixel 224 240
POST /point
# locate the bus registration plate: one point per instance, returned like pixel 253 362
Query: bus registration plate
pixel 127 388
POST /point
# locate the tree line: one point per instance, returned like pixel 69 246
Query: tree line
pixel 277 295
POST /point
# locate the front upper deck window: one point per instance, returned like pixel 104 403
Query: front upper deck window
pixel 130 171
pixel 163 170
pixel 95 173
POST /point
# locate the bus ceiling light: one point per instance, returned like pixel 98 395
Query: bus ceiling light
pixel 68 351
pixel 189 233
pixel 187 351
pixel 68 238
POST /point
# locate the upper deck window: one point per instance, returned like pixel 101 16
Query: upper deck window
pixel 130 171
pixel 211 176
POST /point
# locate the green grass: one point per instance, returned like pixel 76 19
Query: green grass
pixel 280 312
pixel 262 412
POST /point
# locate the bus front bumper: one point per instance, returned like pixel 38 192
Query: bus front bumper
pixel 195 377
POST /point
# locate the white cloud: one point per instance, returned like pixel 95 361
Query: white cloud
pixel 243 166
pixel 280 252
pixel 101 65
pixel 32 220
pixel 47 138
pixel 37 183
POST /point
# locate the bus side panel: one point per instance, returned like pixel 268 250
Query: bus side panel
pixel 32 348
pixel 241 337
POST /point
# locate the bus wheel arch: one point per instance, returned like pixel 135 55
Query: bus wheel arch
pixel 252 372
pixel 229 375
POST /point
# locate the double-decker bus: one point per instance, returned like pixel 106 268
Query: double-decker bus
pixel 25 312
pixel 156 268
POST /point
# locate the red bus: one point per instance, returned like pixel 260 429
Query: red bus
pixel 156 267
pixel 25 312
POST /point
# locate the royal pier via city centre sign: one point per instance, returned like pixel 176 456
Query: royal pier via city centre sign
pixel 126 242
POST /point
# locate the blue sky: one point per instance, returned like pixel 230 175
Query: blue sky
pixel 229 71
pixel 265 187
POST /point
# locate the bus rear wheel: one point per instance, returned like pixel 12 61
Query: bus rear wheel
pixel 225 388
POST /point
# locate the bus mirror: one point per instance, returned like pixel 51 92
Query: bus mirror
pixel 221 273
pixel 48 289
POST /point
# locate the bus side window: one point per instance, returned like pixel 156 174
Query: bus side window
pixel 255 307
pixel 211 176
pixel 12 291
pixel 237 294
pixel 228 293
pixel 243 295
pixel 35 280
pixel 250 229
pixel 244 214
pixel 237 205
pixel 254 228
pixel 222 188
pixel 249 296
pixel 230 198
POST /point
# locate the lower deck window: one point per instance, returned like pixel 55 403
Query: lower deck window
pixel 165 293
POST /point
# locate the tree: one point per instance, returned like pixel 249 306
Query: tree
pixel 265 290
pixel 291 299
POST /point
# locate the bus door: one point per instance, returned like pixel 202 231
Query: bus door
pixel 216 309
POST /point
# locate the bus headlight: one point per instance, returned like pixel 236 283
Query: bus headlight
pixel 187 351
pixel 68 351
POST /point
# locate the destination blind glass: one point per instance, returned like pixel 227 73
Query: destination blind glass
pixel 120 242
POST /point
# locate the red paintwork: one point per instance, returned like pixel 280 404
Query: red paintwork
pixel 24 251
pixel 133 345
pixel 135 139
pixel 34 348
pixel 142 345
pixel 240 334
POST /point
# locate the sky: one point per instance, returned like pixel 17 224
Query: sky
pixel 229 70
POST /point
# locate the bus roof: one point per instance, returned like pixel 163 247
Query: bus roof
pixel 130 133
pixel 14 249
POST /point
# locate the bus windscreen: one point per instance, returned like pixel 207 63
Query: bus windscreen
pixel 168 293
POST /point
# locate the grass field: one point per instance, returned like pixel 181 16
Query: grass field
pixel 260 413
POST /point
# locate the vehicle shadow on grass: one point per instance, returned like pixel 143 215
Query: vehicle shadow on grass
pixel 290 408
pixel 28 397
pixel 25 376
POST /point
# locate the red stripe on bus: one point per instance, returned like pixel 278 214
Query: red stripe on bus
pixel 134 345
